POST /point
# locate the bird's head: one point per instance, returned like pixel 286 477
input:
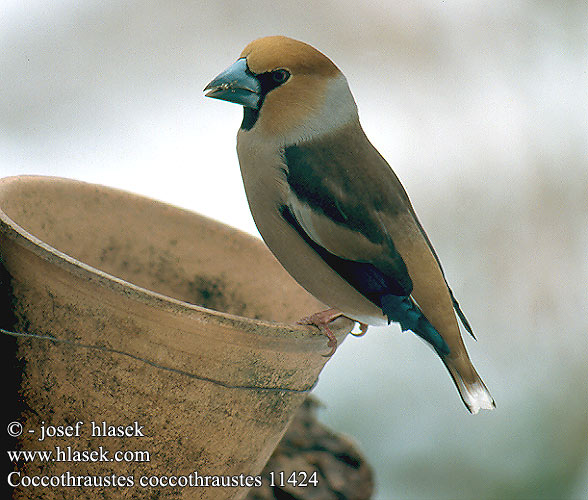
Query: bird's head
pixel 287 88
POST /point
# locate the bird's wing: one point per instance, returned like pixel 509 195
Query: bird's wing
pixel 338 207
pixel 456 306
pixel 348 205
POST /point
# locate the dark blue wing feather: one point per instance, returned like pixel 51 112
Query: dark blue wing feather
pixel 384 291
pixel 404 311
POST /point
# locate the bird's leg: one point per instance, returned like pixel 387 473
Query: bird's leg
pixel 363 327
pixel 321 320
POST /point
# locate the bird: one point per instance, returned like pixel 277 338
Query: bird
pixel 330 207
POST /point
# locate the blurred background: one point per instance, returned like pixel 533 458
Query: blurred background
pixel 482 110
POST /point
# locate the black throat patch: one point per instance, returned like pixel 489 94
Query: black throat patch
pixel 250 117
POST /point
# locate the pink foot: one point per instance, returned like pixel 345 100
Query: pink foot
pixel 322 320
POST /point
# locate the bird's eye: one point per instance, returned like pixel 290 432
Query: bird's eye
pixel 280 75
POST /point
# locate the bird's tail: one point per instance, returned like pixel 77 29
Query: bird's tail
pixel 472 390
pixel 470 386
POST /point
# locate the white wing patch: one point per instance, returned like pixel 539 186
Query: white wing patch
pixel 305 216
pixel 333 237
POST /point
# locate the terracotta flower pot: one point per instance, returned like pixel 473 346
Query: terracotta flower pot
pixel 169 330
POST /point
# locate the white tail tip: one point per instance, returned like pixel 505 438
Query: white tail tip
pixel 476 397
pixel 474 393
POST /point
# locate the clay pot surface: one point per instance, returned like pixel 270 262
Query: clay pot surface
pixel 137 313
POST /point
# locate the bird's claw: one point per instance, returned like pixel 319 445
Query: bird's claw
pixel 363 328
pixel 321 320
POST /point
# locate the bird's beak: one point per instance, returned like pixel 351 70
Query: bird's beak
pixel 236 84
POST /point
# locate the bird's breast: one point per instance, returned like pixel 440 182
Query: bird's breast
pixel 264 173
pixel 265 178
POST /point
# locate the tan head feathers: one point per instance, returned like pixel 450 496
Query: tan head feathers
pixel 273 52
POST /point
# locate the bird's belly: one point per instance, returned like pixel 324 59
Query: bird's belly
pixel 267 192
pixel 310 270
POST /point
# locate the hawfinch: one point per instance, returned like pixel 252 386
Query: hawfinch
pixel 331 209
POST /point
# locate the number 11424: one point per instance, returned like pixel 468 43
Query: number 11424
pixel 300 479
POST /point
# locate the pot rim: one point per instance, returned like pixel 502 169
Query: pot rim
pixel 50 254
